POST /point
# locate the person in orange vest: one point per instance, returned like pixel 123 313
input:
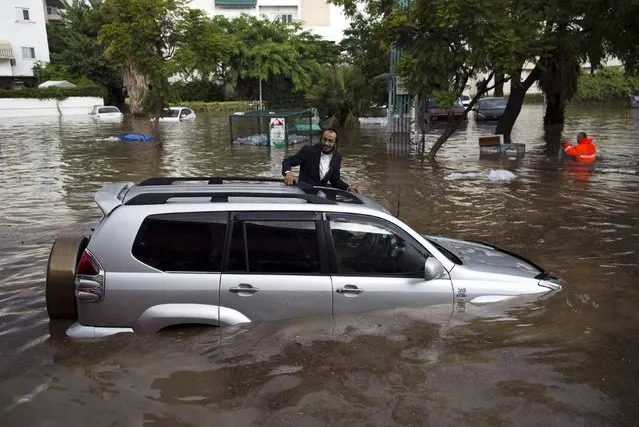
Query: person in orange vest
pixel 584 152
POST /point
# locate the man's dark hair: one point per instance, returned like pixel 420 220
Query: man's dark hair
pixel 331 130
pixel 583 133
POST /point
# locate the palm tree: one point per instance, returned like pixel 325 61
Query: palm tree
pixel 340 95
pixel 559 82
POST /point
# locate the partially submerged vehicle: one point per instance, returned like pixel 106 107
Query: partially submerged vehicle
pixel 106 112
pixel 223 251
pixel 491 108
pixel 177 114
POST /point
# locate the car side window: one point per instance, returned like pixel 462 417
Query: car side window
pixel 371 248
pixel 189 242
pixel 275 247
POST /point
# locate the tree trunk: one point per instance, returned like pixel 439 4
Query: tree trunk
pixel 499 85
pixel 518 90
pixel 555 108
pixel 451 127
pixel 136 87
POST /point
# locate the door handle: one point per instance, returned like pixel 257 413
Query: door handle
pixel 349 289
pixel 244 287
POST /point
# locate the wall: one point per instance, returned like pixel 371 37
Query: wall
pixel 21 33
pixel 24 107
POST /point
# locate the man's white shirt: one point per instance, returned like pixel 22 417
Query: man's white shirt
pixel 325 164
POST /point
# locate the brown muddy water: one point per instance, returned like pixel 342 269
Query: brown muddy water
pixel 571 359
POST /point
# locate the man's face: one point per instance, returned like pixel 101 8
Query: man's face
pixel 329 142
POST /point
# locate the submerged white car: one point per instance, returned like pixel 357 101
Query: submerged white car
pixel 177 114
pixel 108 112
pixel 222 251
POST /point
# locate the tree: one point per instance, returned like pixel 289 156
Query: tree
pixel 75 53
pixel 341 95
pixel 445 42
pixel 267 49
pixel 141 38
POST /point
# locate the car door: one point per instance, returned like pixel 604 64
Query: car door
pixel 276 268
pixel 176 259
pixel 376 265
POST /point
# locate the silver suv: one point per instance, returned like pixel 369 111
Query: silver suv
pixel 223 251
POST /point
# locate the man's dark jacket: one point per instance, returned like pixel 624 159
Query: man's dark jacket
pixel 308 159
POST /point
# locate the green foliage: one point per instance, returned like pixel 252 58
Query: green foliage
pixel 54 93
pixel 340 96
pixel 364 46
pixel 75 53
pixel 141 37
pixel 606 85
pixel 217 106
pixel 199 90
pixel 264 49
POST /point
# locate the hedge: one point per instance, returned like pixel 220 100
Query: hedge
pixel 217 106
pixel 54 92
pixel 606 85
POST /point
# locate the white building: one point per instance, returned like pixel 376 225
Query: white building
pixel 23 40
pixel 321 18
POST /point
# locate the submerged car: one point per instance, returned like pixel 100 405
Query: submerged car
pixel 490 108
pixel 464 100
pixel 108 112
pixel 634 99
pixel 224 251
pixel 177 114
pixel 434 111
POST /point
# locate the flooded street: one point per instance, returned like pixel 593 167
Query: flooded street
pixel 571 359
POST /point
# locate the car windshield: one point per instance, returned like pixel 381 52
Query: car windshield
pixel 108 110
pixel 170 113
pixel 489 104
pixel 465 98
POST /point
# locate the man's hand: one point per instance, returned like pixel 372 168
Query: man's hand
pixel 353 190
pixel 289 179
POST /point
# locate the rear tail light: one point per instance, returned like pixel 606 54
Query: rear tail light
pixel 88 266
pixel 89 279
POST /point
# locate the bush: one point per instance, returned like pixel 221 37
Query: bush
pixel 199 90
pixel 218 106
pixel 606 85
pixel 54 92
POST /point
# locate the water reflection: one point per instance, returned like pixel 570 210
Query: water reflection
pixel 567 359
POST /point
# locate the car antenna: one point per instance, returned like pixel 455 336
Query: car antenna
pixel 397 215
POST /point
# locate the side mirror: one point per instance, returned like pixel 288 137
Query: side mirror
pixel 433 268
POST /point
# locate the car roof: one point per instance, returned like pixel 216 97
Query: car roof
pixel 262 192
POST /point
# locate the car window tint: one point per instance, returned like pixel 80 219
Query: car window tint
pixel 277 247
pixel 368 248
pixel 182 241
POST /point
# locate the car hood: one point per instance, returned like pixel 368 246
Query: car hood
pixel 485 257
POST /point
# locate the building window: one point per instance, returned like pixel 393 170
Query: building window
pixel 22 14
pixel 286 18
pixel 28 53
pixel 12 62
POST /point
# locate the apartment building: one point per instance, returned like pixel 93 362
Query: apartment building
pixel 23 40
pixel 318 16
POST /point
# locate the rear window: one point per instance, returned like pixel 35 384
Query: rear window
pixel 493 103
pixel 108 110
pixel 186 242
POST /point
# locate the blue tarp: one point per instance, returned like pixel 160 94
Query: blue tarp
pixel 135 137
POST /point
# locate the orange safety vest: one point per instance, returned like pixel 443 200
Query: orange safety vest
pixel 585 151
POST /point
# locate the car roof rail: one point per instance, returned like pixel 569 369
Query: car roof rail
pixel 210 179
pixel 216 196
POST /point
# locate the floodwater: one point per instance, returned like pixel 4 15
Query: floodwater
pixel 571 359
